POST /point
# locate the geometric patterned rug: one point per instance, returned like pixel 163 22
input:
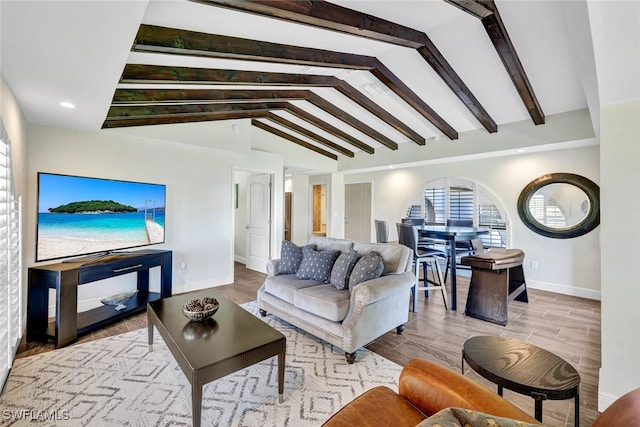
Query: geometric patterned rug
pixel 116 381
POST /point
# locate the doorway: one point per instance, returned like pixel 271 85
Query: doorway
pixel 319 211
pixel 253 219
pixel 357 212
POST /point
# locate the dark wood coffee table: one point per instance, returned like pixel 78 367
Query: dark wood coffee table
pixel 523 368
pixel 205 351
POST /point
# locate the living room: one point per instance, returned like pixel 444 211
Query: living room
pixel 597 140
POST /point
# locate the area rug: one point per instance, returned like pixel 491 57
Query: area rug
pixel 116 381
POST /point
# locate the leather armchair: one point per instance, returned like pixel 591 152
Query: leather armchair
pixel 424 389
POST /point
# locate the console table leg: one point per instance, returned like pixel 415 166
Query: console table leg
pixel 577 409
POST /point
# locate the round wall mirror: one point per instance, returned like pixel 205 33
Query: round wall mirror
pixel 560 205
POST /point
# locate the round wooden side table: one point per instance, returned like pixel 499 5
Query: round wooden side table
pixel 523 368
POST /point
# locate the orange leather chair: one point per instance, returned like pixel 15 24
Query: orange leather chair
pixel 426 388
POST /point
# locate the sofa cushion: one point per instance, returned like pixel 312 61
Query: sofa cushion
pixel 316 265
pixel 324 301
pixel 460 417
pixel 342 269
pixel 368 267
pixel 290 258
pixel 395 257
pixel 329 243
pixel 286 285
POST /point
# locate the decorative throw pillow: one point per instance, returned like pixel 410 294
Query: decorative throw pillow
pixel 342 269
pixel 459 417
pixel 368 267
pixel 316 265
pixel 290 258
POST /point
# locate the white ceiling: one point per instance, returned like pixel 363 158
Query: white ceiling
pixel 53 51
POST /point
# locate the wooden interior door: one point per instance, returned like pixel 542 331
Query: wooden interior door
pixel 357 212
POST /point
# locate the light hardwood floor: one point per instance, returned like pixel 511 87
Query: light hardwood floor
pixel 567 326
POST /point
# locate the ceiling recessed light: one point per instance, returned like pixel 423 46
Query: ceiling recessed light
pixel 66 104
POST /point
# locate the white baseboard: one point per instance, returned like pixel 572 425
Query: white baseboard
pixel 564 289
pixel 605 400
pixel 239 259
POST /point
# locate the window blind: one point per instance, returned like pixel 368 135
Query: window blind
pixel 10 262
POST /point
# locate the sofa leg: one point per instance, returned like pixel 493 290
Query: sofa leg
pixel 351 357
pixel 400 329
pixel 263 312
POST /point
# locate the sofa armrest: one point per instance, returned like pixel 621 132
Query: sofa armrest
pixel 368 292
pixel 272 264
pixel 432 388
pixel 380 288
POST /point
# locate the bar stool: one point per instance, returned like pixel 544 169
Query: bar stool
pixel 428 257
pixel 382 231
pixel 497 278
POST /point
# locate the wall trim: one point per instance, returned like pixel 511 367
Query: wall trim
pixel 605 399
pixel 239 259
pixel 564 289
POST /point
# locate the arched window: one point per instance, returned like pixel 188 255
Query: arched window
pixel 461 199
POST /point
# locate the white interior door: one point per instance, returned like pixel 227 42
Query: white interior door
pixel 258 222
pixel 357 212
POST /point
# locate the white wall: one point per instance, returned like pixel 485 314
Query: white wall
pixel 569 266
pixel 620 164
pixel 199 180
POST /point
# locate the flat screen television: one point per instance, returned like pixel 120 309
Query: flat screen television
pixel 83 216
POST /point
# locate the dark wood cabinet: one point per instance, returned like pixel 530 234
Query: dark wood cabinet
pixel 65 277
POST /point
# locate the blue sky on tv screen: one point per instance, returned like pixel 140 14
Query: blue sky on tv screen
pixel 57 190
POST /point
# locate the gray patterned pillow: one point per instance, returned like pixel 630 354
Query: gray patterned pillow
pixel 342 269
pixel 290 258
pixel 368 267
pixel 316 265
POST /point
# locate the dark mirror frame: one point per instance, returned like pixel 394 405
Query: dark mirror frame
pixel 591 221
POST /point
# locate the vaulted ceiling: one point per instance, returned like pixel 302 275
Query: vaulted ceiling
pixel 337 78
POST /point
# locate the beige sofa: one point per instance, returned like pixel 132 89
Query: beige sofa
pixel 348 319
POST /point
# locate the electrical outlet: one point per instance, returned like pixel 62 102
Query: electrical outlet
pixel 534 265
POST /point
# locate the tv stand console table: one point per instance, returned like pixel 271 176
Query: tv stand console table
pixel 65 277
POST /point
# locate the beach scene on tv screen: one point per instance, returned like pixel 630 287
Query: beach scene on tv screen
pixel 79 215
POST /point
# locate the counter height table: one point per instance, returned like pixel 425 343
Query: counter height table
pixel 450 234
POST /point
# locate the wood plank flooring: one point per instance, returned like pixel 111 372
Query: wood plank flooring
pixel 567 326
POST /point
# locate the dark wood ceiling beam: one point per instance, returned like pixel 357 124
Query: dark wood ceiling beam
pixel 142 111
pixel 506 51
pixel 292 138
pixel 155 39
pixel 251 95
pixel 142 73
pixel 356 96
pixel 304 115
pixel 431 54
pixel 138 73
pixel 236 48
pixel 330 16
pixel 403 91
pixel 119 122
pixel 336 112
pixel 176 96
pixel 157 96
pixel 140 115
pixel 311 135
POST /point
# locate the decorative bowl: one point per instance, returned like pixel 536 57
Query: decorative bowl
pixel 200 309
